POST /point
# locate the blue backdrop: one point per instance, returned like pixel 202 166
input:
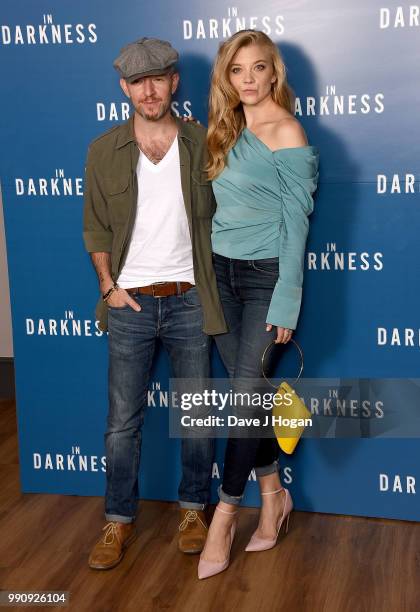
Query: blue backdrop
pixel 358 100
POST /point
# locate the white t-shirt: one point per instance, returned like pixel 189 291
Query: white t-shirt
pixel 160 248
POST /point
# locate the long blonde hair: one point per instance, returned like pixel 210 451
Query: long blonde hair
pixel 226 116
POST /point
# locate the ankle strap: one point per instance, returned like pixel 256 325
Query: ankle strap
pixel 272 492
pixel 225 511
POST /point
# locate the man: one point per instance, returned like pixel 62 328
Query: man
pixel 147 220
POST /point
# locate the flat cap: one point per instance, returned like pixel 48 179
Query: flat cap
pixel 145 57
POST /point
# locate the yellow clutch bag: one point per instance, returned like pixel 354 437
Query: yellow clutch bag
pixel 290 415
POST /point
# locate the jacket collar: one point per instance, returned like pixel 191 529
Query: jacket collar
pixel 126 132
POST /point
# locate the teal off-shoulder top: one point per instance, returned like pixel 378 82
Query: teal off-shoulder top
pixel 263 200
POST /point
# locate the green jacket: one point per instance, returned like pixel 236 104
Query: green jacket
pixel 111 202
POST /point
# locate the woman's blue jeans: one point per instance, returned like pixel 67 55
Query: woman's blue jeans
pixel 245 288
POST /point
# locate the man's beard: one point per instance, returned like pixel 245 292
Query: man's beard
pixel 154 115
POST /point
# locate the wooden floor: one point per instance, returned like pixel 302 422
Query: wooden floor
pixel 326 563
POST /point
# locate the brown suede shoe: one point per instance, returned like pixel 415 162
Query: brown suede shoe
pixel 109 550
pixel 192 531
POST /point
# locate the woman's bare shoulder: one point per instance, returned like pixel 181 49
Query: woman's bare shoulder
pixel 282 133
pixel 288 132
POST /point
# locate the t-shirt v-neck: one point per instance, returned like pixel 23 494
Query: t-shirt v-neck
pixel 164 161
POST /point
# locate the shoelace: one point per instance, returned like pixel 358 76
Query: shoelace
pixel 111 531
pixel 190 517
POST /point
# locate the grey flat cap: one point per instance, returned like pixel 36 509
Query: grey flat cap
pixel 145 57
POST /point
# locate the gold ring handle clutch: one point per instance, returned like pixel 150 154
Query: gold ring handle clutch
pixel 267 349
pixel 295 411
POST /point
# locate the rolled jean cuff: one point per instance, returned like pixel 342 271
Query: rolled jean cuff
pixel 191 505
pixel 267 469
pixel 229 499
pixel 120 519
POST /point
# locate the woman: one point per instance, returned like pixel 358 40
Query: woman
pixel 264 174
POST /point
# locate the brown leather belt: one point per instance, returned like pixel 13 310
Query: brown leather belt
pixel 161 289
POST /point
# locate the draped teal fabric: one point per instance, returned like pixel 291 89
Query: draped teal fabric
pixel 263 199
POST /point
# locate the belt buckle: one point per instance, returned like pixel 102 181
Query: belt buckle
pixel 153 289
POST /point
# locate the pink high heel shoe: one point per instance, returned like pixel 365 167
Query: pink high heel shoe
pixel 256 543
pixel 211 568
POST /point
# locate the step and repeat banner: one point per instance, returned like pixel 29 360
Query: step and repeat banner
pixel 354 69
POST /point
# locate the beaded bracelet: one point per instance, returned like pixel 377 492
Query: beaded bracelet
pixel 109 292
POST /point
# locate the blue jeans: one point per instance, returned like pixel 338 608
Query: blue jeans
pixel 177 321
pixel 245 288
